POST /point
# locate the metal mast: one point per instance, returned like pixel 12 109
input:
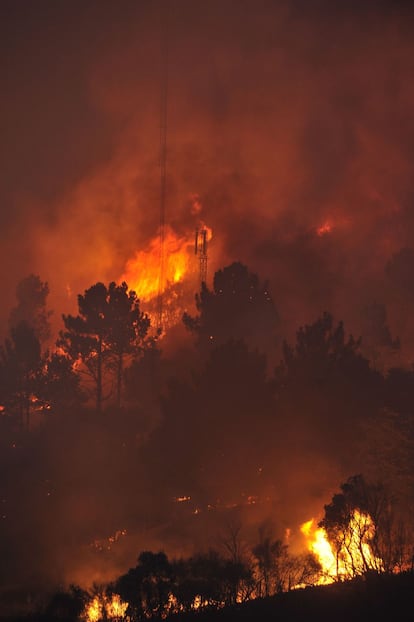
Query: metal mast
pixel 163 158
pixel 200 249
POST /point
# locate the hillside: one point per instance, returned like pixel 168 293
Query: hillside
pixel 364 599
pixel 377 598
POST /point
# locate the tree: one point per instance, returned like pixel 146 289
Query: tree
pixel 271 556
pixel 376 335
pixel 388 453
pixel 361 525
pixel 326 385
pixel 20 368
pixel 109 327
pixel 128 329
pixel 31 294
pixel 320 352
pixel 147 586
pixel 399 270
pixel 299 570
pixel 65 606
pixel 208 580
pixel 60 388
pixel 128 587
pixel 237 554
pixel 156 575
pixel 238 307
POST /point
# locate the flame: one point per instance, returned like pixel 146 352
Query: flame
pixel 116 608
pixel 319 544
pixel 105 608
pixel 143 271
pixel 93 610
pixel 354 555
pixel 151 272
pixel 107 543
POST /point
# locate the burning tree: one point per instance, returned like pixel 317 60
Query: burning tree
pixel 354 522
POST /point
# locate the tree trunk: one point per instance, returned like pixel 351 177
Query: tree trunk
pixel 99 378
pixel 119 379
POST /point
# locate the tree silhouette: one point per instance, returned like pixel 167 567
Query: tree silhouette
pixel 374 524
pixel 238 307
pixel 271 556
pixel 147 586
pixel 65 606
pixel 128 329
pixel 60 388
pixel 320 351
pixel 376 335
pixel 20 368
pixel 400 270
pixel 207 580
pixel 31 294
pixel 325 377
pixel 109 327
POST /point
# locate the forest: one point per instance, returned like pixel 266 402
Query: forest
pixel 140 480
pixel 206 329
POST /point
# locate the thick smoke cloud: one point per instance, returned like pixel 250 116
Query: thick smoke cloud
pixel 281 117
pixel 292 121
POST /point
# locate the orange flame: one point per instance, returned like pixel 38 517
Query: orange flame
pixel 143 271
pixel 355 555
pixel 105 608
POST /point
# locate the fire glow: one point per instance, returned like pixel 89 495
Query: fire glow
pixel 105 608
pixel 353 555
pixel 164 262
pixel 324 229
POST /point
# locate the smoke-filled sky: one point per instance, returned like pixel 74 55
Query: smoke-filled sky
pixel 283 116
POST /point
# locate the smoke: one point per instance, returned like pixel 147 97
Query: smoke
pixel 279 117
pixel 291 122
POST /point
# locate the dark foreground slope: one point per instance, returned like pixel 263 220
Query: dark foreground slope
pixel 377 598
pixel 370 599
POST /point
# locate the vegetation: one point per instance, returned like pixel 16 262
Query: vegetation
pixel 104 418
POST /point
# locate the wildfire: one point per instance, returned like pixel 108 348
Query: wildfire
pixel 105 608
pixel 107 543
pixel 319 544
pixel 352 554
pixel 164 267
pixel 143 271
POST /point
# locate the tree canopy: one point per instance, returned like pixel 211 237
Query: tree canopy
pixel 239 306
pixel 109 327
pixel 32 294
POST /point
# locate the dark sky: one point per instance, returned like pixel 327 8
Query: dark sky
pixel 282 116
